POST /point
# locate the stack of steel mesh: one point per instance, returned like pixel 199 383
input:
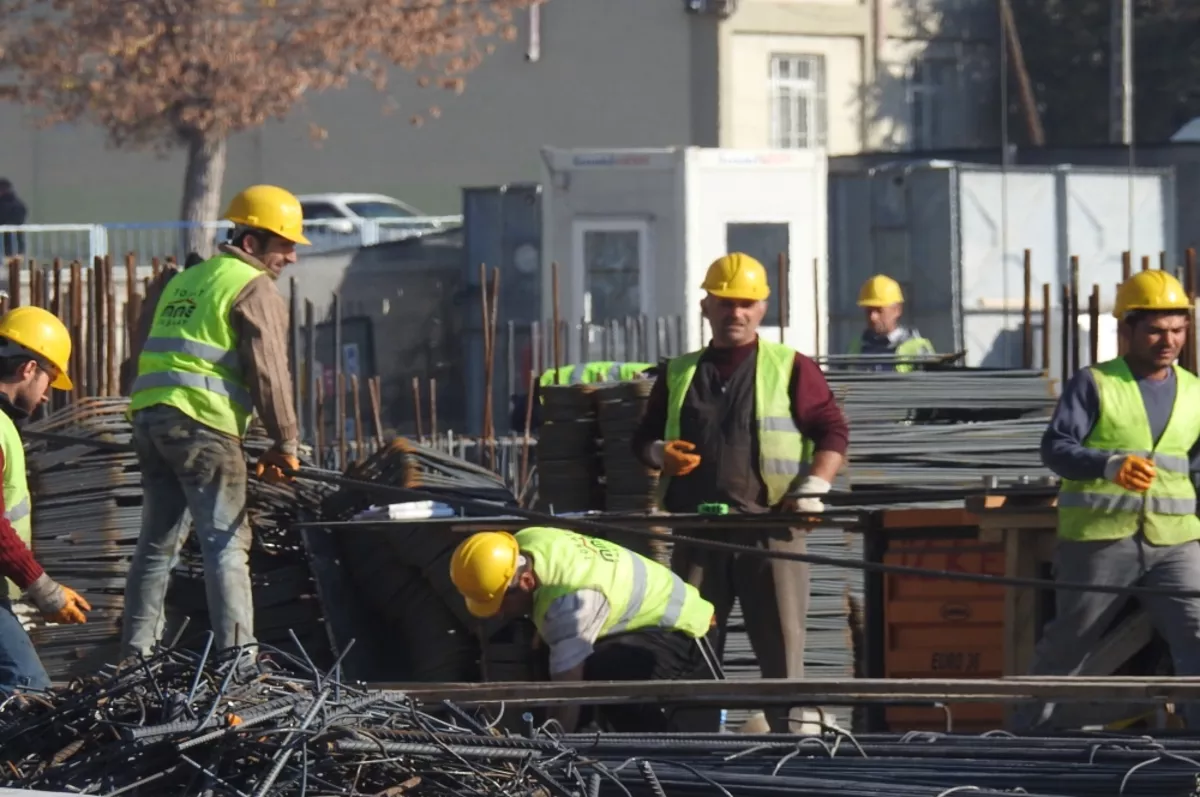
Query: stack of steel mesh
pixel 86 520
pixel 570 468
pixel 413 620
pixel 628 484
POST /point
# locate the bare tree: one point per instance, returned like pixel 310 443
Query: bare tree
pixel 161 74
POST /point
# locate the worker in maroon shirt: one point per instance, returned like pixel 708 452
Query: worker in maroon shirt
pixel 34 349
pixel 749 424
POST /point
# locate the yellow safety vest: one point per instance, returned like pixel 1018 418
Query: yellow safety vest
pixel 190 360
pixel 784 454
pixel 1098 509
pixel 640 592
pixel 17 507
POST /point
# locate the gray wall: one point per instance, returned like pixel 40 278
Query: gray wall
pixel 616 73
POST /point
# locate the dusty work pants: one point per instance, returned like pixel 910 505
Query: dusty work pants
pixel 1082 618
pixel 20 668
pixel 652 654
pixel 774 598
pixel 189 469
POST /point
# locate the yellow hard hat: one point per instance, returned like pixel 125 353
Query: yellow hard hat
pixel 880 291
pixel 270 208
pixel 481 569
pixel 737 276
pixel 1150 290
pixel 40 333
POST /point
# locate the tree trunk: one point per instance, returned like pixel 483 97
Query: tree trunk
pixel 202 194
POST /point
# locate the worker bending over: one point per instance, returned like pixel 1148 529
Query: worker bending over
pixel 35 348
pixel 606 613
pixel 1124 438
pixel 214 350
pixel 883 301
pixel 746 422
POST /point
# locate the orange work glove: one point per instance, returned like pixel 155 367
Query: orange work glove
pixel 1133 473
pixel 72 611
pixel 677 459
pixel 272 464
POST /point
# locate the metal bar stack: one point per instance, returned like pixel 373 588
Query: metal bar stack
pixel 87 516
pixel 199 722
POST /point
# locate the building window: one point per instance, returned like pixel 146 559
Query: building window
pixel 933 105
pixel 797 96
pixel 765 242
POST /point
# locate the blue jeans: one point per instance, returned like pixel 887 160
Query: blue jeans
pixel 189 469
pixel 20 667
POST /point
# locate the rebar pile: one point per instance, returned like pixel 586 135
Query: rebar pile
pixel 890 765
pixel 86 520
pixel 947 428
pixel 264 723
pixel 629 486
pixel 413 622
pixel 570 467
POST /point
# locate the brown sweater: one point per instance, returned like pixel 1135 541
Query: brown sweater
pixel 260 320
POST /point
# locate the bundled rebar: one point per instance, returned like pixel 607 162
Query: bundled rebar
pixel 262 722
pixel 87 514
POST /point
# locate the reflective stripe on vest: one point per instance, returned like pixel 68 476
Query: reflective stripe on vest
pixel 784 454
pixel 190 359
pixel 1098 509
pixel 641 593
pixel 16 489
pixel 911 346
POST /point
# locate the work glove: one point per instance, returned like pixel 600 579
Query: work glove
pixel 1131 472
pixel 678 459
pixel 272 464
pixel 58 604
pixel 811 484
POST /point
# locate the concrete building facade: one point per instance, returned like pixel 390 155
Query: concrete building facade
pixel 846 75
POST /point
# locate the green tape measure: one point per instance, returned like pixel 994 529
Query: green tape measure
pixel 713 509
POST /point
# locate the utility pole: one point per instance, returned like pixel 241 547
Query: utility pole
pixel 1121 72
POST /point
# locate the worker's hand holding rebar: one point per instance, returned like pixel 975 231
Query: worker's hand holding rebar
pixel 273 466
pixel 58 604
pixel 1131 472
pixel 678 459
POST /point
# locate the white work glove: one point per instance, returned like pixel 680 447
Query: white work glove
pixel 811 484
pixel 655 453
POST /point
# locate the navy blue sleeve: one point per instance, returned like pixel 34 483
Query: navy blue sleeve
pixel 1062 443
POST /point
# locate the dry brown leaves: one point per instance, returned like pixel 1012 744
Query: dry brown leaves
pixel 153 71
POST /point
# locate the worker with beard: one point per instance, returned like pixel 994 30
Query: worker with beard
pixel 35 348
pixel 1125 438
pixel 745 424
pixel 882 302
pixel 212 351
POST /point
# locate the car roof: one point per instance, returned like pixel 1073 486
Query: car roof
pixel 339 196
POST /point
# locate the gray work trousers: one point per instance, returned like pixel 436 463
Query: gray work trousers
pixel 1082 618
pixel 773 595
pixel 189 471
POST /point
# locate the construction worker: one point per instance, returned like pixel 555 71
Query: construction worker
pixel 35 348
pixel 606 613
pixel 1124 438
pixel 883 301
pixel 214 351
pixel 746 423
pixel 585 374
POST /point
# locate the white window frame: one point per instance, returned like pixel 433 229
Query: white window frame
pixel 946 95
pixel 811 89
pixel 581 304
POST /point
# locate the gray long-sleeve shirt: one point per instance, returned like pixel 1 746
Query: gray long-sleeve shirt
pixel 1078 409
